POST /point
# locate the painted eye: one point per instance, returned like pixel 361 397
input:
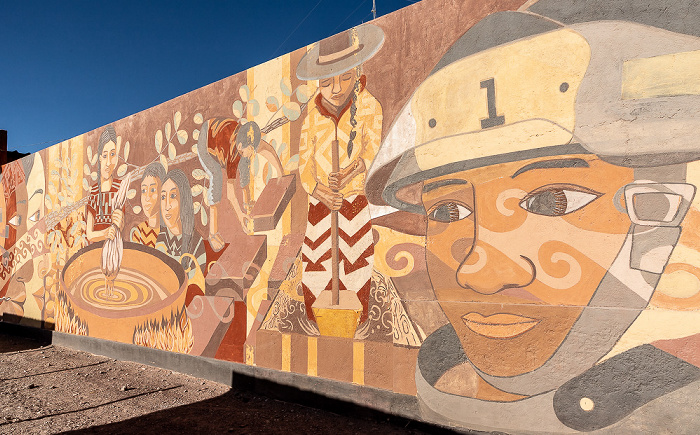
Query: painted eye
pixel 15 221
pixel 449 212
pixel 558 200
pixel 34 217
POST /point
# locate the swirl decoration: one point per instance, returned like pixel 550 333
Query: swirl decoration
pixel 378 325
pixel 198 306
pixel 558 269
pixel 288 315
pixel 400 259
pixel 30 246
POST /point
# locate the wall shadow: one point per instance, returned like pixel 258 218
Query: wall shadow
pixel 243 411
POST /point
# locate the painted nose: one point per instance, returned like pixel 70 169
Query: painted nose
pixel 489 269
pixel 336 85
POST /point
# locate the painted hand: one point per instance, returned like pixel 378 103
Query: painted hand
pixel 338 180
pixel 118 218
pixel 331 199
pixel 111 232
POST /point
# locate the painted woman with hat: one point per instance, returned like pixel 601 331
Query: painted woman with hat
pixel 343 123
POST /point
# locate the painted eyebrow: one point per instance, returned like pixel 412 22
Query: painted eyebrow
pixel 35 192
pixel 442 183
pixel 552 164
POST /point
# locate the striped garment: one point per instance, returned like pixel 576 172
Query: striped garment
pixel 100 204
pixel 144 234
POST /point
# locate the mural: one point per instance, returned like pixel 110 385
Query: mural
pixel 492 216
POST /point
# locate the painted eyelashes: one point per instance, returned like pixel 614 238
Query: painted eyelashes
pixel 558 199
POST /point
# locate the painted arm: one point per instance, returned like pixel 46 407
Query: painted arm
pixel 266 150
pixel 235 193
pixel 95 235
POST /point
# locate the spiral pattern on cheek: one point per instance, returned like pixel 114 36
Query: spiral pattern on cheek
pixel 515 195
pixel 557 269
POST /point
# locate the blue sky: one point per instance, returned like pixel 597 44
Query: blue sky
pixel 72 66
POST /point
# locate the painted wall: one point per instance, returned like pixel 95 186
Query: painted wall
pixel 486 207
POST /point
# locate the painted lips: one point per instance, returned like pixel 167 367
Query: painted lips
pixel 499 325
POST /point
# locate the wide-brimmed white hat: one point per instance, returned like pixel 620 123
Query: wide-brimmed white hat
pixel 340 53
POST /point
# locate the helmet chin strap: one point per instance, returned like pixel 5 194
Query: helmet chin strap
pixel 656 210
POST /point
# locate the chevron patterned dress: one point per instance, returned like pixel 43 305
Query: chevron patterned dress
pixel 356 243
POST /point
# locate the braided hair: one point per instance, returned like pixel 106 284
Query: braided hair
pixel 353 110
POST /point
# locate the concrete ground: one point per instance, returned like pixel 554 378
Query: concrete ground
pixel 52 389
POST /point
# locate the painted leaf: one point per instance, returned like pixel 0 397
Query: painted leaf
pixel 67 165
pixel 267 172
pixel 253 108
pixel 52 188
pixel 58 163
pixel 127 148
pixel 272 103
pixel 196 206
pixel 93 176
pixel 198 118
pixel 168 130
pixel 122 170
pixel 198 174
pixel 94 160
pixel 86 185
pixel 285 87
pixel 137 209
pixel 303 94
pixel 61 197
pixel 171 151
pixel 164 162
pixel 206 200
pixel 292 163
pixel 197 190
pixel 86 169
pixel 159 141
pixel 47 203
pixel 195 134
pixel 237 108
pixel 291 110
pixel 119 142
pixel 194 148
pixel 176 120
pixel 204 217
pixel 244 92
pixel 70 190
pixel 182 136
pixel 131 194
pixel 89 153
pixel 281 148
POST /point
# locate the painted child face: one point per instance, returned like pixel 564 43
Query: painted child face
pixel 336 90
pixel 170 206
pixel 150 189
pixel 517 250
pixel 108 160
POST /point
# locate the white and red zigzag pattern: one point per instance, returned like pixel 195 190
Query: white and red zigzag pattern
pixel 356 245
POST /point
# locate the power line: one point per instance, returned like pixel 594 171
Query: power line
pixel 350 15
pixel 296 28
